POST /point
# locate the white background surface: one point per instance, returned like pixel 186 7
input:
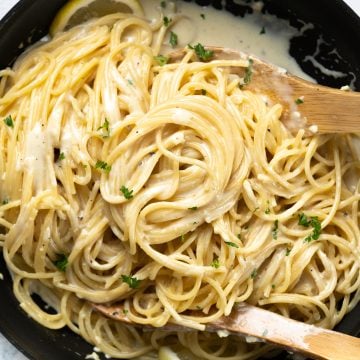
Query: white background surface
pixel 7 351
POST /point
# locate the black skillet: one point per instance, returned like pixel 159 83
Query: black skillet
pixel 29 20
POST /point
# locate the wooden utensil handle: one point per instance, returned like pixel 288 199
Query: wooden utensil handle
pixel 294 335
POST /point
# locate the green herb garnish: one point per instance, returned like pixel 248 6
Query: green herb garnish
pixel 202 16
pixel 229 243
pixel 161 59
pixel 299 101
pixel 167 21
pixel 262 31
pixel 248 72
pixel 125 311
pixel 61 156
pixel 5 201
pixel 173 39
pixel 182 237
pixel 106 129
pixel 273 286
pixel 193 208
pixel 133 282
pixel 128 194
pixel 287 252
pixel 103 166
pixel 275 230
pixel 203 92
pixel 215 263
pixel 9 121
pixel 267 211
pixel 238 236
pixel 314 222
pixel 201 52
pixel 62 262
pixel 130 82
pixel 163 4
pixel 254 274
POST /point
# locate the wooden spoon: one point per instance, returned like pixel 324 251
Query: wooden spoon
pixel 248 320
pixel 324 109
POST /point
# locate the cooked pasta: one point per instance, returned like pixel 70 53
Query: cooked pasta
pixel 168 188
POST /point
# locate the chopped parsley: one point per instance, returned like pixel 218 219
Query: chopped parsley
pixel 229 243
pixel 182 237
pixel 238 236
pixel 105 128
pixel 203 92
pixel 248 72
pixel 254 274
pixel 201 52
pixel 202 16
pixel 161 59
pixel 275 230
pixel 62 262
pixel 314 222
pixel 215 264
pixel 173 39
pixel 61 156
pixel 299 101
pixel 163 4
pixel 133 282
pixel 267 211
pixel 263 30
pixel 125 311
pixel 128 194
pixel 5 201
pixel 273 286
pixel 167 21
pixel 9 121
pixel 193 208
pixel 287 253
pixel 103 166
pixel 130 82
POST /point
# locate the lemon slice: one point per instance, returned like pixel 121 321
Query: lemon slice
pixel 75 12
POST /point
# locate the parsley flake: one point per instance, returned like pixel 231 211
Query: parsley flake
pixel 173 39
pixel 5 201
pixel 275 230
pixel 229 243
pixel 263 30
pixel 314 222
pixel 287 253
pixel 273 286
pixel 202 16
pixel 103 166
pixel 248 72
pixel 203 92
pixel 62 262
pixel 161 59
pixel 61 156
pixel 267 211
pixel 9 121
pixel 201 52
pixel 167 21
pixel 215 264
pixel 125 311
pixel 299 101
pixel 105 128
pixel 193 208
pixel 163 4
pixel 133 282
pixel 182 237
pixel 128 194
pixel 254 274
pixel 130 82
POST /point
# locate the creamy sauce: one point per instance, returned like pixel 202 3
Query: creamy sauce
pixel 220 28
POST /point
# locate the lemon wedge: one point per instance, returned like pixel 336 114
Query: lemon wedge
pixel 75 12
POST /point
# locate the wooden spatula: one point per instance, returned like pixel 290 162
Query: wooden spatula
pixel 267 326
pixel 306 105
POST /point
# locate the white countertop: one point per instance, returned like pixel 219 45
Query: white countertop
pixel 7 350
